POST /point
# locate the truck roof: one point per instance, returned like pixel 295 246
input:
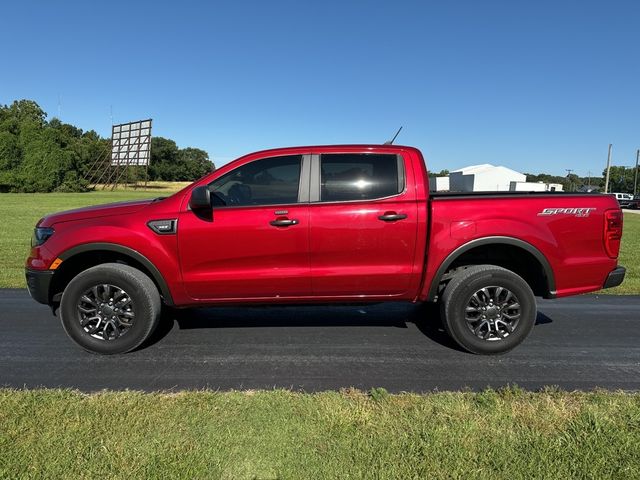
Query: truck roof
pixel 334 148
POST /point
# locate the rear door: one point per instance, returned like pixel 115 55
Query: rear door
pixel 256 243
pixel 363 221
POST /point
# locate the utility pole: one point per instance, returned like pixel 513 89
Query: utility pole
pixel 635 181
pixel 569 170
pixel 589 181
pixel 606 181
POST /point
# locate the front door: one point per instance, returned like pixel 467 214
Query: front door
pixel 256 243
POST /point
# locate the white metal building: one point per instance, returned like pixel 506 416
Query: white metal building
pixel 485 177
pixel 439 184
pixel 535 187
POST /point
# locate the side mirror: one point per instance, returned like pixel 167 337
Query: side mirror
pixel 200 198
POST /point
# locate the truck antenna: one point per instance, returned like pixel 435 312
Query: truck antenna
pixel 390 142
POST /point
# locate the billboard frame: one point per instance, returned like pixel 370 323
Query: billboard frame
pixel 138 147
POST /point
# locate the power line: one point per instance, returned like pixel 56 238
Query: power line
pixel 569 170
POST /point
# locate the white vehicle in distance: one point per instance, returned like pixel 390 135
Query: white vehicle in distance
pixel 626 200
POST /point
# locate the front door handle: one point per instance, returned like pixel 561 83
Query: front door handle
pixel 283 222
pixel 392 217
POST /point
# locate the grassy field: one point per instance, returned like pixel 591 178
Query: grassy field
pixel 20 212
pixel 280 434
pixel 629 256
pixel 155 186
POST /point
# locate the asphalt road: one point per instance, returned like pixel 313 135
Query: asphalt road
pixel 578 343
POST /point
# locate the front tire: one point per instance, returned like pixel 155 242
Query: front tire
pixel 110 308
pixel 488 309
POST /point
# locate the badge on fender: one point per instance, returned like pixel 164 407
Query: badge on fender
pixel 575 211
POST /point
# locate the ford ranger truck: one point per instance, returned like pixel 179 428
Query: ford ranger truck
pixel 329 224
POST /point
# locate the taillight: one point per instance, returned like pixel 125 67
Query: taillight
pixel 612 232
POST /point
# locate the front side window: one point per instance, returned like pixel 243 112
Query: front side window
pixel 345 177
pixel 270 181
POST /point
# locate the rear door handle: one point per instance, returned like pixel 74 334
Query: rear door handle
pixel 392 217
pixel 283 222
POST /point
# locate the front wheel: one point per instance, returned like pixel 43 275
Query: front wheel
pixel 488 309
pixel 110 308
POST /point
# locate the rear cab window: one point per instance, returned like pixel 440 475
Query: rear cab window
pixel 357 176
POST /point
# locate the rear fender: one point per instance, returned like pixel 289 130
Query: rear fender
pixel 495 240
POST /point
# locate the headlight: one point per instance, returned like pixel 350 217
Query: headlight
pixel 40 235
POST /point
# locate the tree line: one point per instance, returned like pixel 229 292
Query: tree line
pixel 621 179
pixel 40 155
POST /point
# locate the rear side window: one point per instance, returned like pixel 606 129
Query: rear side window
pixel 270 181
pixel 347 176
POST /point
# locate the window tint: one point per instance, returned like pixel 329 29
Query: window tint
pixel 360 176
pixel 270 181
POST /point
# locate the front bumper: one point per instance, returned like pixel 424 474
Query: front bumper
pixel 615 277
pixel 38 282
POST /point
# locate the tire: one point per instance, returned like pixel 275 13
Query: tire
pixel 508 317
pixel 134 316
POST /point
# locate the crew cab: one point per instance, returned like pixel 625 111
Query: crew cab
pixel 327 224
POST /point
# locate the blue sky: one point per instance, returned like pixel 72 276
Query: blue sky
pixel 536 85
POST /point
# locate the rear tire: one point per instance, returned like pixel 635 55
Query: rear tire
pixel 488 309
pixel 110 308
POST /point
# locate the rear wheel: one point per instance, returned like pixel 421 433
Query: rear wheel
pixel 488 309
pixel 110 308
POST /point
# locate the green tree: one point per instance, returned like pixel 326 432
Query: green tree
pixel 570 183
pixel 620 179
pixel 170 163
pixel 27 110
pixel 164 159
pixel 37 155
pixel 10 154
pixel 441 173
pixel 43 167
pixel 195 163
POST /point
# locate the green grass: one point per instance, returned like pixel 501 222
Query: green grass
pixel 280 434
pixel 155 186
pixel 629 257
pixel 20 212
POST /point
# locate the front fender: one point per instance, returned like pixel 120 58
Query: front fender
pixel 128 252
pixel 127 235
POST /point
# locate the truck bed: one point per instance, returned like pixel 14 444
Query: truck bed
pixel 565 227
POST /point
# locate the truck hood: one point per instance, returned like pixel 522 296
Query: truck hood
pixel 95 211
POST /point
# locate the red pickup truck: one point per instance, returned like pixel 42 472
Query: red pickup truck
pixel 327 224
